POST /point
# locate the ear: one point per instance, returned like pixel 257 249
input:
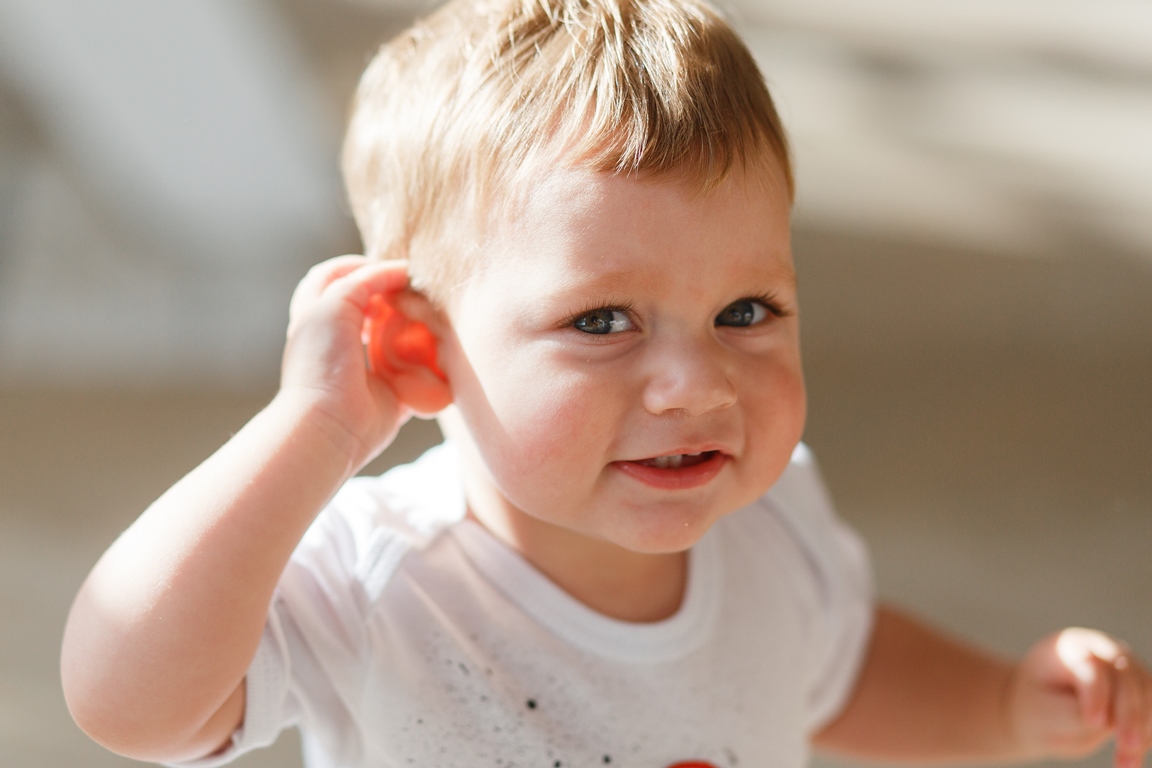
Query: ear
pixel 402 351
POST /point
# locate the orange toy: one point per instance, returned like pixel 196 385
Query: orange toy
pixel 387 331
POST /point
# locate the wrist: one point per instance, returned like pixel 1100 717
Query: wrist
pixel 1028 716
pixel 311 419
pixel 1012 732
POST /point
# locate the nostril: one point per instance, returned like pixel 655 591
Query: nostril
pixel 689 396
pixel 688 377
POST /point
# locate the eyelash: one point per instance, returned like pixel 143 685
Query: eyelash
pixel 626 307
pixel 769 303
pixel 767 300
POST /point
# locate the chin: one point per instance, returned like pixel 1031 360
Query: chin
pixel 668 534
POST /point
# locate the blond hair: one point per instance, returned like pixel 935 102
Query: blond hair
pixel 452 114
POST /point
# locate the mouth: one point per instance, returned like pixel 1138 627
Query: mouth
pixel 678 460
pixel 676 471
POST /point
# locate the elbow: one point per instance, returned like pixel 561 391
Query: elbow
pixel 136 693
pixel 97 709
pixel 105 702
pixel 104 726
pixel 125 731
pixel 93 691
pixel 96 712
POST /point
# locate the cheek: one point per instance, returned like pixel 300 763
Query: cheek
pixel 779 406
pixel 795 400
pixel 529 417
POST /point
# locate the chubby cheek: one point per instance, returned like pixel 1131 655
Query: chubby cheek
pixel 792 401
pixel 776 410
pixel 541 435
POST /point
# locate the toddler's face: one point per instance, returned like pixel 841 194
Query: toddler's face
pixel 625 359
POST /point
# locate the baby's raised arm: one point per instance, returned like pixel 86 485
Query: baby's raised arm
pixel 162 632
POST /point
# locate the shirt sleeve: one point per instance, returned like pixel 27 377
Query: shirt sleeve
pixel 842 570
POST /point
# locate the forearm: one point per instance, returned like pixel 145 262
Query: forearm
pixel 161 634
pixel 924 697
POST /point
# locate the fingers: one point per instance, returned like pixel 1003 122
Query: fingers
pixel 1089 656
pixel 1097 692
pixel 319 277
pixel 352 278
pixel 1132 711
pixel 374 277
pixel 1113 689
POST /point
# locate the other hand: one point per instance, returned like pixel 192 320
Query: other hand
pixel 1074 690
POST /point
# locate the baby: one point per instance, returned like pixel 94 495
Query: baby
pixel 576 214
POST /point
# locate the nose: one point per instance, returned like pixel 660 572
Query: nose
pixel 688 377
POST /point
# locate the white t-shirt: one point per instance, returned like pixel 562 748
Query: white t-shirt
pixel 403 634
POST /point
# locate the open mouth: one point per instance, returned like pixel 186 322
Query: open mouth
pixel 678 471
pixel 678 460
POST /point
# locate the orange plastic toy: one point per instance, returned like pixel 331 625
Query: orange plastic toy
pixel 409 341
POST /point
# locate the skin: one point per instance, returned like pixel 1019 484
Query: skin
pixel 925 697
pixel 548 466
pixel 558 428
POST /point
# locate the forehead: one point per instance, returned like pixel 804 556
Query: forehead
pixel 595 228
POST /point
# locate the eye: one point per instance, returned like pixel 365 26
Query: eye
pixel 743 313
pixel 603 321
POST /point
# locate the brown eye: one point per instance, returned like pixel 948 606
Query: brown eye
pixel 743 313
pixel 603 321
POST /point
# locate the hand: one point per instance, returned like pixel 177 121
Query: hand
pixel 1077 688
pixel 324 358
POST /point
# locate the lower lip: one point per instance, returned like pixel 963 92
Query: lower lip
pixel 674 479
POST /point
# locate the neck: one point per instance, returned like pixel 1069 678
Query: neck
pixel 611 580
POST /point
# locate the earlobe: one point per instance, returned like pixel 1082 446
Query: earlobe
pixel 402 351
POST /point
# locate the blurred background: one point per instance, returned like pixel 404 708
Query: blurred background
pixel 973 234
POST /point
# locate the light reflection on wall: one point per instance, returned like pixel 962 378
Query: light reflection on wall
pixel 163 190
pixel 1014 126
